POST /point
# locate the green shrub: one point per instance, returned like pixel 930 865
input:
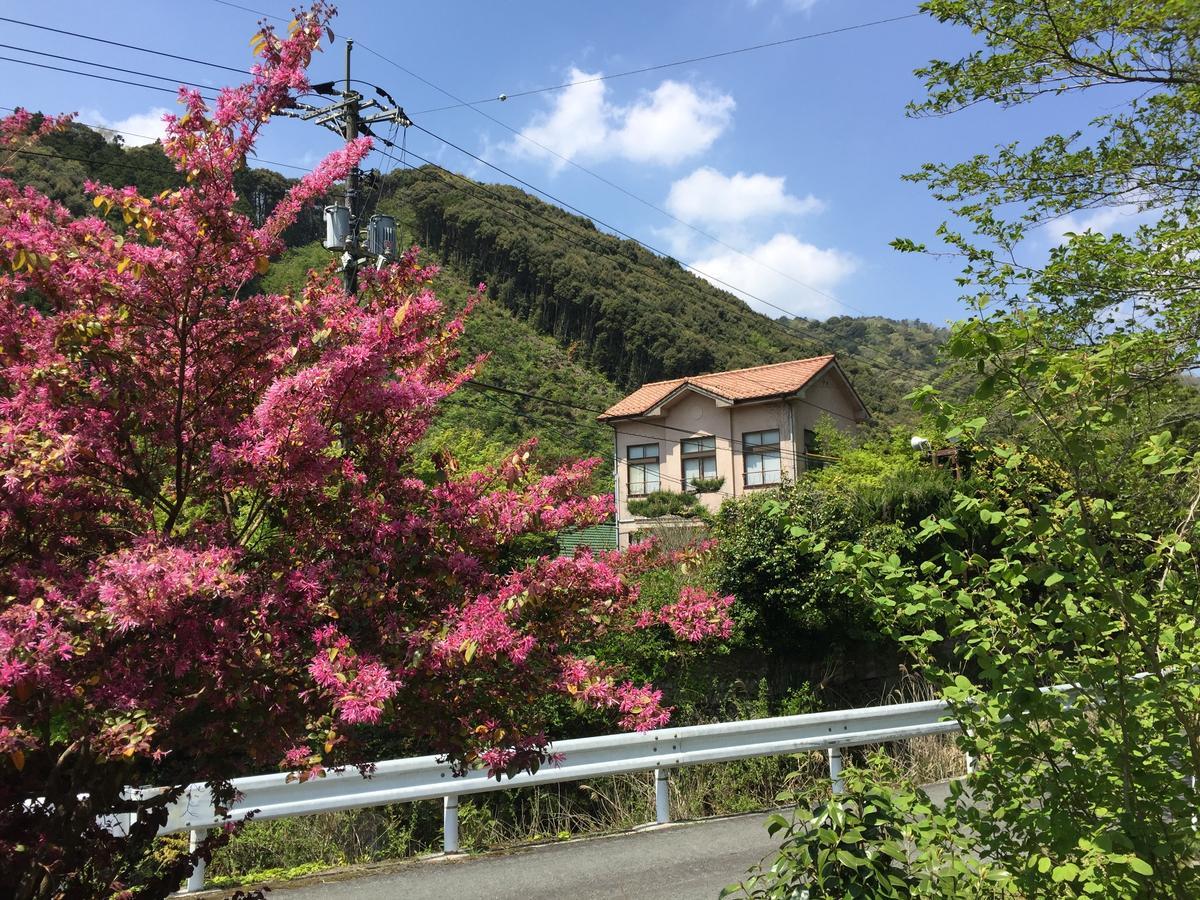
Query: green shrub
pixel 874 841
pixel 665 503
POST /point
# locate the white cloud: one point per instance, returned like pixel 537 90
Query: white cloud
pixel 768 269
pixel 708 196
pixel 136 130
pixel 665 126
pixel 1104 220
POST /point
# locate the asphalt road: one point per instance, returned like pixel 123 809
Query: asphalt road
pixel 678 862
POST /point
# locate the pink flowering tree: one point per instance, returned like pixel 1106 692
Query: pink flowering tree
pixel 217 558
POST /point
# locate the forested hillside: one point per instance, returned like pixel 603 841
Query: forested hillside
pixel 572 314
pixel 632 315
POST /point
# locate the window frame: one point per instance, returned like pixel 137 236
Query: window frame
pixel 761 449
pixel 642 461
pixel 702 454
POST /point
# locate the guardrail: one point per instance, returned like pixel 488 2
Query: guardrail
pixel 425 778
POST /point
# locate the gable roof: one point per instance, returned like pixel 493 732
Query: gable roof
pixel 755 383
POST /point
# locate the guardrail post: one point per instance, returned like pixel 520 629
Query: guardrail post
pixel 835 770
pixel 450 824
pixel 662 796
pixel 195 881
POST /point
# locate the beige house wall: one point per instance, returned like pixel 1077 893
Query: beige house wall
pixel 697 415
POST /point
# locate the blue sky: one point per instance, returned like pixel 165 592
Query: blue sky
pixel 792 155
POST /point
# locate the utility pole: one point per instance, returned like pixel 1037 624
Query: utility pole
pixel 350 130
pixel 343 223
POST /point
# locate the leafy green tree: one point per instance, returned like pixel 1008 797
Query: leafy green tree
pixel 871 840
pixel 773 549
pixel 1087 487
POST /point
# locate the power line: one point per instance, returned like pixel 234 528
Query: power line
pixel 668 65
pixel 628 193
pixel 647 246
pixel 149 87
pixel 733 442
pixel 101 127
pixel 87 62
pixel 474 382
pixel 100 40
pixel 792 331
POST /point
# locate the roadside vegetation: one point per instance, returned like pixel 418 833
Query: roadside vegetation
pixel 1052 599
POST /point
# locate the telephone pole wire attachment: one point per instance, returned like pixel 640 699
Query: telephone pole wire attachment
pixel 343 222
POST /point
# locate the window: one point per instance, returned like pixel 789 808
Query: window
pixel 643 469
pixel 699 458
pixel 760 451
pixel 811 447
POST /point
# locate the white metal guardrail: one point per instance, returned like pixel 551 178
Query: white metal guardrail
pixel 425 778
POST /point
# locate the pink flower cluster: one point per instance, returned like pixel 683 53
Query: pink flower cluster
pixel 698 614
pixel 216 550
pixel 359 688
pixel 593 684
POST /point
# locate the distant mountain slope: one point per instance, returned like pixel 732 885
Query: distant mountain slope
pixel 634 316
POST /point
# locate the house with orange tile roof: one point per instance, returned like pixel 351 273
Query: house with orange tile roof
pixel 746 430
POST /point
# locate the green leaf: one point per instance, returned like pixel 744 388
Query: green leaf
pixel 1140 866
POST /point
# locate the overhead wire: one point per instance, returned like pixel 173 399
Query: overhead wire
pixel 111 43
pixel 391 144
pixel 485 386
pixel 610 183
pixel 791 331
pixel 149 87
pixel 647 246
pixel 88 62
pixel 500 98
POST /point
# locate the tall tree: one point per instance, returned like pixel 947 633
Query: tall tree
pixel 1056 603
pixel 217 555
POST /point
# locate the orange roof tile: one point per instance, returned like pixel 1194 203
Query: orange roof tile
pixel 755 383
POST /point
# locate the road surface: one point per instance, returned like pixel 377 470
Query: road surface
pixel 690 860
pixel 676 862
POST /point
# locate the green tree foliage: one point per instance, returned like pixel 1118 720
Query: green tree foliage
pixel 773 550
pixel 873 841
pixel 60 164
pixel 1072 559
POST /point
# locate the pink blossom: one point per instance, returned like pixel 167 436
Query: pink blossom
pixel 698 614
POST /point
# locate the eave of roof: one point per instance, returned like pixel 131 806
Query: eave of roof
pixel 733 386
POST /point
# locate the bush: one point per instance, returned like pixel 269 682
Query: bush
pixel 873 841
pixel 666 503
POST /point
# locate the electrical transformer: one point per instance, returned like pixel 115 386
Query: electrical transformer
pixel 337 227
pixel 381 237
